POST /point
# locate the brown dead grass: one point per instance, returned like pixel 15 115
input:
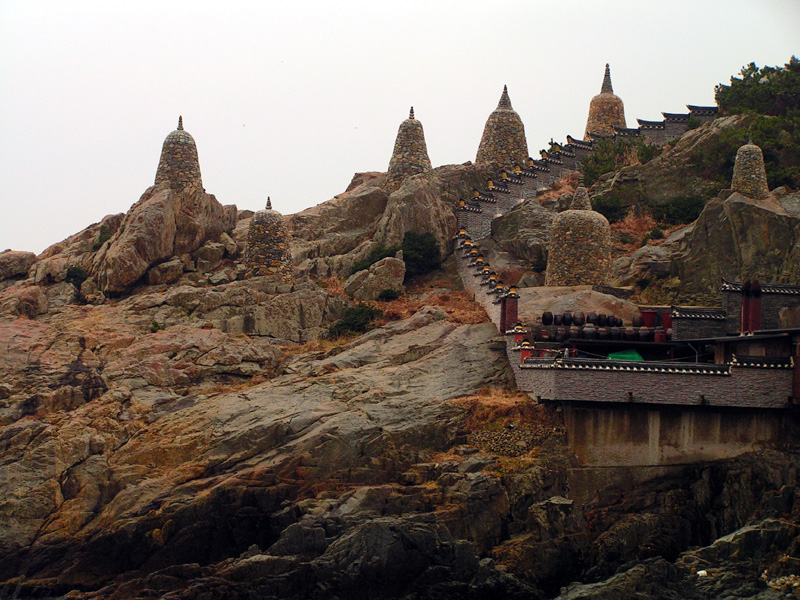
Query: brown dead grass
pixel 459 307
pixel 334 286
pixel 630 231
pixel 510 276
pixel 566 185
pixel 494 407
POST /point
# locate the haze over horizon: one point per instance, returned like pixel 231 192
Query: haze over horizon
pixel 291 103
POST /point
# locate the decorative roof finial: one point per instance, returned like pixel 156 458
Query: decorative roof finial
pixel 411 113
pixel 180 122
pixel 581 181
pixel 269 203
pixel 505 101
pixel 607 89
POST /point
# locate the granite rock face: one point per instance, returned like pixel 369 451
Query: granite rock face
pixel 740 238
pixel 672 175
pixel 525 231
pixel 13 263
pixel 162 224
pixel 367 284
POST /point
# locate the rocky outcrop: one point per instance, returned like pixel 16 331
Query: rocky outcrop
pixel 14 263
pixel 117 483
pixel 672 175
pixel 535 301
pixel 367 284
pixel 525 232
pixel 417 206
pixel 162 224
pixel 740 238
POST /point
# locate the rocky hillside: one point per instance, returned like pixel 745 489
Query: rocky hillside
pixel 172 428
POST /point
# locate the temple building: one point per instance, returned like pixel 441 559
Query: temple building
pixel 268 250
pixel 503 139
pixel 410 155
pixel 580 245
pixel 178 167
pixel 606 111
pixel 749 174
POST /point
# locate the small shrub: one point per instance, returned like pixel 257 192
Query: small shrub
pixel 379 253
pixel 420 253
pixel 76 276
pixel 610 207
pixel 102 238
pixel 654 234
pixel 156 326
pixel 388 295
pixel 679 211
pixel 356 319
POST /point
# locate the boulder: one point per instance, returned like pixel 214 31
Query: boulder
pixel 740 238
pixel 525 232
pixel 166 272
pixel 417 206
pixel 13 263
pixel 24 301
pixel 209 256
pixel 367 284
pixel 535 301
pixel 163 223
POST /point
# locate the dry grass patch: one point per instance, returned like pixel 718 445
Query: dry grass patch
pixel 566 185
pixel 495 408
pixel 459 306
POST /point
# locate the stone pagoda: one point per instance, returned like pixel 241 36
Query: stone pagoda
pixel 606 111
pixel 268 250
pixel 580 245
pixel 503 139
pixel 178 167
pixel 410 155
pixel 749 174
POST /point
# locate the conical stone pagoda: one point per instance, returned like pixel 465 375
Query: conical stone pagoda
pixel 606 110
pixel 178 166
pixel 268 250
pixel 410 155
pixel 503 139
pixel 749 174
pixel 580 245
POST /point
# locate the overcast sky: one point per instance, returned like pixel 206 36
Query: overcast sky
pixel 291 99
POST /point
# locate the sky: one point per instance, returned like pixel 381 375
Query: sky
pixel 289 100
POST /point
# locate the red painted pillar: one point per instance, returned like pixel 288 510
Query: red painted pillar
pixel 744 326
pixel 509 310
pixel 755 306
pixel 796 376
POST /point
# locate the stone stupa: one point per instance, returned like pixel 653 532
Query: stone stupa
pixel 178 166
pixel 410 155
pixel 606 111
pixel 749 174
pixel 503 139
pixel 580 245
pixel 268 250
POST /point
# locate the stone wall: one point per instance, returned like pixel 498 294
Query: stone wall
pixel 771 304
pixel 705 385
pixel 652 436
pixel 689 328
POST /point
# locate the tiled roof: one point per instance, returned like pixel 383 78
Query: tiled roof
pixel 681 312
pixel 586 364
